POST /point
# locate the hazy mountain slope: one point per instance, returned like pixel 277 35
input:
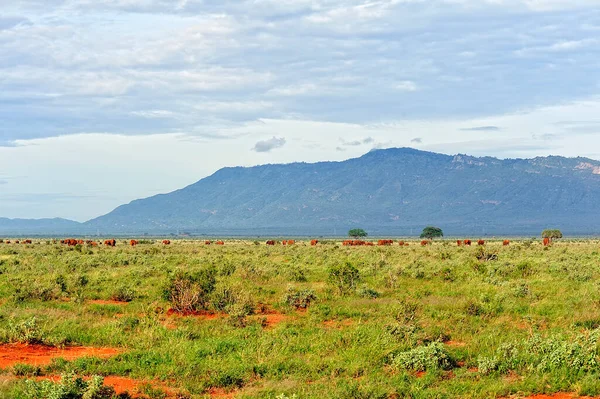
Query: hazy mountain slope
pixel 39 226
pixel 388 191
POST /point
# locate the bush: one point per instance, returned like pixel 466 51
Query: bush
pixel 70 387
pixel 25 332
pixel 189 292
pixel 124 294
pixel 367 292
pixel 431 357
pixel 344 277
pixel 299 299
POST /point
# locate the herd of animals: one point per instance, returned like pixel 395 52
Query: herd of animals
pixel 352 243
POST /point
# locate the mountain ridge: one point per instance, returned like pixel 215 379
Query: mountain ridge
pixel 392 191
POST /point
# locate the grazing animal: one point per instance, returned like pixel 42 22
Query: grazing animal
pixel 284 242
pixel 27 242
pixel 506 243
pixel 401 243
pixel 16 241
pixel 133 243
pixel 220 243
pixel 480 242
pixel 314 242
pixel 385 242
pixel 459 243
pixel 110 243
pixel 425 242
pixel 291 242
pixel 546 241
pixel 270 242
pixel 166 242
pixel 467 242
pixel 207 242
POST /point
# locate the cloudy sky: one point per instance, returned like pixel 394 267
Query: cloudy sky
pixel 105 101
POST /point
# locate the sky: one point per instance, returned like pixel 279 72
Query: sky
pixel 106 101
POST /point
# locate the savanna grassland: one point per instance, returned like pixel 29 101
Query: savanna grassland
pixel 246 320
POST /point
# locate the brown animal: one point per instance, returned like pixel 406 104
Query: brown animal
pixel 27 242
pixel 207 242
pixel 133 243
pixel 467 242
pixel 385 242
pixel 284 242
pixel 166 242
pixel 480 242
pixel 506 243
pixel 8 241
pixel 546 241
pixel 459 243
pixel 291 242
pixel 425 242
pixel 110 243
pixel 16 241
pixel 314 242
pixel 220 243
pixel 270 242
pixel 401 243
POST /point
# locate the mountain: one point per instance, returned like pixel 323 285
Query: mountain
pixel 23 227
pixel 393 191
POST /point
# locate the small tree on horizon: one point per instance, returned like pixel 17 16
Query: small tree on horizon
pixel 552 234
pixel 357 233
pixel 431 232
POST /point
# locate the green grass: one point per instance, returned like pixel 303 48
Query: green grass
pixel 525 316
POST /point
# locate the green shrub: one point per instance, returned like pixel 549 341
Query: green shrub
pixel 190 292
pixel 299 299
pixel 344 277
pixel 431 357
pixel 70 387
pixel 124 294
pixel 25 332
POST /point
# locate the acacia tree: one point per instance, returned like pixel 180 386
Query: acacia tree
pixel 357 233
pixel 431 232
pixel 552 234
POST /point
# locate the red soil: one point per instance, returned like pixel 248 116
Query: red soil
pixel 41 355
pixel 273 319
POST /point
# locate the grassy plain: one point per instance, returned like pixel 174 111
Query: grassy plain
pixel 439 321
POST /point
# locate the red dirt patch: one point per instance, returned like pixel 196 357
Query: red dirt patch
pixel 273 319
pixel 41 355
pixel 106 302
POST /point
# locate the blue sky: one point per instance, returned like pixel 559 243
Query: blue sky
pixel 105 101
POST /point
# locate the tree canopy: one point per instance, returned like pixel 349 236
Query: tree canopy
pixel 357 233
pixel 552 234
pixel 431 232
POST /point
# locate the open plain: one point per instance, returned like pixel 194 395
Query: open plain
pixel 250 320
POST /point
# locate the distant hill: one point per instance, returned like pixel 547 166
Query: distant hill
pixel 393 191
pixel 29 227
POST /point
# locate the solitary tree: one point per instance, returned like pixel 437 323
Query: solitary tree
pixel 552 234
pixel 431 232
pixel 357 233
